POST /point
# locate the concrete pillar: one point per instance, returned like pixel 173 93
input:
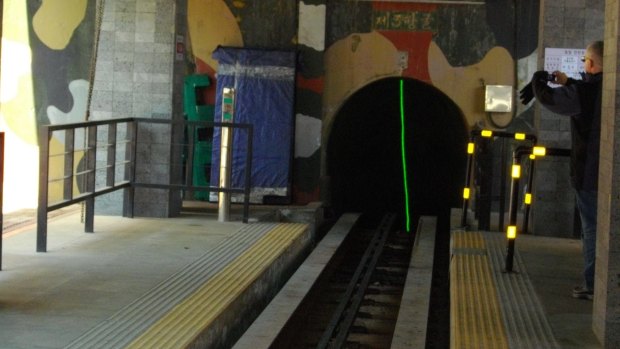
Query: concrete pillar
pixel 605 320
pixel 134 78
pixel 311 31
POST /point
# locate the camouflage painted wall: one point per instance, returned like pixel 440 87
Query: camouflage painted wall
pixel 47 49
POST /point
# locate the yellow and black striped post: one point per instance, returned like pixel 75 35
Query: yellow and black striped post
pixel 511 230
pixel 471 146
pixel 537 152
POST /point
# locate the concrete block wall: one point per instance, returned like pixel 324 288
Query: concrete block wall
pixel 180 70
pixel 565 24
pixel 554 200
pixel 134 78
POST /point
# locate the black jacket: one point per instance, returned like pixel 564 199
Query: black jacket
pixel 581 100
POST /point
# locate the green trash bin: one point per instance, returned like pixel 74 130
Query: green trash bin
pixel 202 167
pixel 193 104
pixel 203 136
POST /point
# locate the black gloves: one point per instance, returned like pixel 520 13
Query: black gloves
pixel 526 94
pixel 541 76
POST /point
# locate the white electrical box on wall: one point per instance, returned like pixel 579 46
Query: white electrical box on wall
pixel 498 98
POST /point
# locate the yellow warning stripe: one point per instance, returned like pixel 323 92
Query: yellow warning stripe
pixel 475 313
pixel 468 239
pixel 186 321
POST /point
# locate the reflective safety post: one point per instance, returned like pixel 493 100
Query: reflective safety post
pixel 511 231
pixel 228 102
pixel 537 151
pixel 467 190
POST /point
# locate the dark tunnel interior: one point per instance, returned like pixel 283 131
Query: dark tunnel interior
pixel 364 158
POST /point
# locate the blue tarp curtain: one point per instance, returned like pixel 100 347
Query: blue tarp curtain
pixel 264 83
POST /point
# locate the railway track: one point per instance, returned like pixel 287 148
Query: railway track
pixel 356 301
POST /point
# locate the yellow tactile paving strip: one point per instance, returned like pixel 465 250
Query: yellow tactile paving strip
pixel 186 321
pixel 475 313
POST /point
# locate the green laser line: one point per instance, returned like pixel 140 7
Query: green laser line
pixel 402 147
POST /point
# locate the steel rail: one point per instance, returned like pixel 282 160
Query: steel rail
pixel 341 321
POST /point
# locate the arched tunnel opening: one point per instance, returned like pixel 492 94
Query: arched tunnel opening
pixel 365 150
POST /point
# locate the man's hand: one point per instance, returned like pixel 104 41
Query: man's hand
pixel 541 89
pixel 560 78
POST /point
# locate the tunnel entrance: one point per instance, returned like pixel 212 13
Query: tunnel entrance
pixel 364 158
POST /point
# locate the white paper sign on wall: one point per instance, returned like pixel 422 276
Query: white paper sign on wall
pixel 566 60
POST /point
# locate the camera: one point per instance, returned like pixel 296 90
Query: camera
pixel 551 77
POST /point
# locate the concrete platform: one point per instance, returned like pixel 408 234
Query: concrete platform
pixel 110 288
pixel 85 281
pixel 554 267
pixel 529 308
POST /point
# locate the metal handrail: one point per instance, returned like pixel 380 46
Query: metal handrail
pixel 128 183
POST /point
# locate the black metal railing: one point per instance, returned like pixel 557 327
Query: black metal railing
pixel 532 153
pixel 118 141
pixel 480 173
pixel 523 160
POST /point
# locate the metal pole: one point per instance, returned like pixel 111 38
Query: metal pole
pixel 502 186
pixel 512 217
pixel 44 139
pixel 69 156
pixel 248 175
pixel 485 165
pixel 91 169
pixel 526 214
pixel 131 148
pixel 510 252
pixel 470 161
pixel 225 163
pixel 228 95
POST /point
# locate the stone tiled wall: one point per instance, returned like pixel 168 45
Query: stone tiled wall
pixel 179 72
pixel 575 24
pixel 565 24
pixel 606 323
pixel 134 78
